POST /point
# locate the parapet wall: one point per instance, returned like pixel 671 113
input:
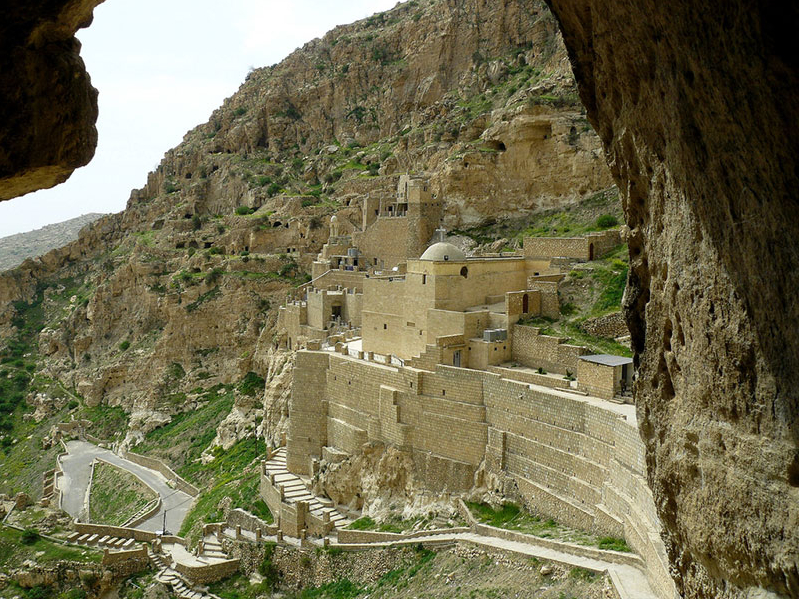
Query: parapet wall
pixel 530 348
pixel 590 247
pixel 158 465
pixel 572 458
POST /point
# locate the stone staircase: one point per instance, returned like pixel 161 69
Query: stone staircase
pixel 97 540
pixel 293 489
pixel 172 578
pixel 212 547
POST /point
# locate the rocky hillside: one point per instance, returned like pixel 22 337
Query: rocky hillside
pixel 152 307
pixel 14 249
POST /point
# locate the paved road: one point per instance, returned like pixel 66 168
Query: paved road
pixel 77 468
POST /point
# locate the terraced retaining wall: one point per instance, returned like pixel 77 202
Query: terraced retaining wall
pixel 568 457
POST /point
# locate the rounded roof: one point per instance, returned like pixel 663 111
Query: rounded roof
pixel 443 252
pixel 334 219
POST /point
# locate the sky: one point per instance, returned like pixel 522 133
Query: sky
pixel 162 67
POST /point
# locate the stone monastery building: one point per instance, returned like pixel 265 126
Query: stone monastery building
pixel 417 346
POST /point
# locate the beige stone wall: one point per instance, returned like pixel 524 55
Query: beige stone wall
pixel 590 247
pixel 568 457
pixel 577 462
pixel 529 348
pixel 402 316
pixel 386 239
pixel 550 302
pixel 307 410
pixel 159 466
pixel 208 573
pixel 116 557
pixel 484 354
pixel 598 380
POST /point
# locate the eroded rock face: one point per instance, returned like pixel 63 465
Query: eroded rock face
pixel 48 106
pixel 697 110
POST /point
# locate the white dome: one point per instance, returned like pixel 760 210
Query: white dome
pixel 334 219
pixel 443 252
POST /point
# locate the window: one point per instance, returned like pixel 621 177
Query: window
pixel 464 272
pixel 385 326
pixel 424 279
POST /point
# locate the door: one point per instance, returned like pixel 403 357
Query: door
pixel 456 358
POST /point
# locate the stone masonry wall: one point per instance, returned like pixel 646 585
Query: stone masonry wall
pixel 543 351
pixel 568 457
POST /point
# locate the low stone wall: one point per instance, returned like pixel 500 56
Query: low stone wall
pixel 610 325
pixel 150 510
pixel 116 557
pixel 208 573
pixel 347 537
pixel 530 377
pixel 534 350
pixel 143 536
pixel 248 521
pixel 159 466
pixel 614 557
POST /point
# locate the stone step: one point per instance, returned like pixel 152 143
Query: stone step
pixel 73 538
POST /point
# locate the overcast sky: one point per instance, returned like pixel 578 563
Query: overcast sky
pixel 162 67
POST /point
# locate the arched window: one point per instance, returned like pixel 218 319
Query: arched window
pixel 464 272
pixel 525 304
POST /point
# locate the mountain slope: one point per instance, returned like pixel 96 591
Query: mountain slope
pixel 152 307
pixel 14 249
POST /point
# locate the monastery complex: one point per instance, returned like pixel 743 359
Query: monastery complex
pixel 406 341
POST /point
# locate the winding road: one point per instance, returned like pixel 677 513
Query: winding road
pixel 77 471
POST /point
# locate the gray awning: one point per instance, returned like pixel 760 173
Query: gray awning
pixel 607 359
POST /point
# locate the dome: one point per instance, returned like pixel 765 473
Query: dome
pixel 443 252
pixel 334 219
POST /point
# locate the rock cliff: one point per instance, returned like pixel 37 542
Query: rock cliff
pixel 47 102
pixel 179 292
pixel 696 106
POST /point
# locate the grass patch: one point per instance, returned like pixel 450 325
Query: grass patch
pixel 14 551
pixel 512 517
pixel 233 473
pixel 116 495
pixel 188 434
pixel 107 421
pixel 23 462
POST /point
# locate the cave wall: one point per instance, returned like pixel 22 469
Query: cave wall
pixel 696 105
pixel 48 106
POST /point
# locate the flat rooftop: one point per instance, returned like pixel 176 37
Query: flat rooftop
pixel 607 359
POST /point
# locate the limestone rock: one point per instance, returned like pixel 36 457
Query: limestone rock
pixel 22 501
pixel 708 169
pixel 48 104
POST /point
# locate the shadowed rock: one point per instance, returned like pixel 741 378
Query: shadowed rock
pixel 47 104
pixel 697 106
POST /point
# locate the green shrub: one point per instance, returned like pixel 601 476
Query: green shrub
pixel 606 221
pixel 614 544
pixel 124 345
pixel 73 403
pixel 29 536
pixel 240 111
pixel 251 384
pixel 273 189
pixel 213 276
pixel 244 210
pixel 196 222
